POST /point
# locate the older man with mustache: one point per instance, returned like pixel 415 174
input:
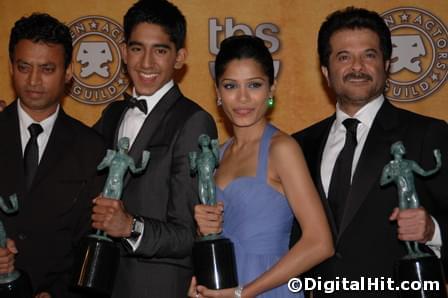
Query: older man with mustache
pixel 346 154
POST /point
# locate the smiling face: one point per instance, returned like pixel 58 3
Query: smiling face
pixel 39 77
pixel 151 58
pixel 244 89
pixel 356 71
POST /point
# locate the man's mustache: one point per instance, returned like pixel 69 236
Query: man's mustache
pixel 357 76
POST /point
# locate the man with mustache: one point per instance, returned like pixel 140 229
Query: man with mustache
pixel 346 154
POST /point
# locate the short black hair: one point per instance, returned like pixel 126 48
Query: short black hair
pixel 244 47
pixel 353 18
pixel 159 12
pixel 41 27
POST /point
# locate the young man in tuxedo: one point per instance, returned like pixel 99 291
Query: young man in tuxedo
pixel 368 229
pixel 46 157
pixel 154 218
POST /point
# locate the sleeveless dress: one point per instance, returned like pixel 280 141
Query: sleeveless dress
pixel 258 220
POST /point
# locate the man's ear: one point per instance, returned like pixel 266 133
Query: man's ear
pixel 181 56
pixel 387 66
pixel 324 71
pixel 69 73
pixel 11 67
pixel 124 52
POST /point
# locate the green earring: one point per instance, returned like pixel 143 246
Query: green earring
pixel 270 102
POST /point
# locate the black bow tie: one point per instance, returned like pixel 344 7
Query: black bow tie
pixel 139 104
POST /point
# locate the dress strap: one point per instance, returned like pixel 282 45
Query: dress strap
pixel 263 151
pixel 224 148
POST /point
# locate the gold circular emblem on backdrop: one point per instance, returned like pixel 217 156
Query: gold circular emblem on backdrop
pixel 99 75
pixel 419 62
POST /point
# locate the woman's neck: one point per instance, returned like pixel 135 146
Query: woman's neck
pixel 248 134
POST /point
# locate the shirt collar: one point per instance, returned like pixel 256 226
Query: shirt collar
pixel 25 120
pixel 157 95
pixel 365 115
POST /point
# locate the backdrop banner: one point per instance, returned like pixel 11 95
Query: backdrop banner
pixel 289 27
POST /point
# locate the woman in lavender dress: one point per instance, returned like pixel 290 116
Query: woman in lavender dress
pixel 262 182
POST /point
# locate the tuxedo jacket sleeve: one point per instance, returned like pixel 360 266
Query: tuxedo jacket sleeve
pixel 432 190
pixel 165 194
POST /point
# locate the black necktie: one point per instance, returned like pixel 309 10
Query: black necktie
pixel 139 104
pixel 31 155
pixel 341 177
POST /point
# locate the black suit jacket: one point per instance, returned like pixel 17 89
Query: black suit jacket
pixel 164 195
pixel 366 244
pixel 55 213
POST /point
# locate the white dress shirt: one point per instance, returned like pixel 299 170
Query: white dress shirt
pixel 336 138
pixel 42 139
pixel 131 125
pixel 335 143
pixel 134 118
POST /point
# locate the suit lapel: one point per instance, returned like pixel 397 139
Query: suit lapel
pixel 117 118
pixel 321 141
pixel 151 125
pixel 11 150
pixel 60 139
pixel 374 156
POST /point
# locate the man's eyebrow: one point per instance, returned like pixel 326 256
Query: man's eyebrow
pixel 162 45
pixel 135 43
pixel 157 45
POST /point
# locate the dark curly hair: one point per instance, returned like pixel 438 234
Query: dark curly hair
pixel 158 12
pixel 352 18
pixel 41 27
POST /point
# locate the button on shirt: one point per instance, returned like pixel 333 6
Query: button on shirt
pixel 134 118
pixel 336 140
pixel 42 140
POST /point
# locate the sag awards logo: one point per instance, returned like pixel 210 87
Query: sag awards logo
pixel 419 56
pixel 98 73
pixel 265 31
